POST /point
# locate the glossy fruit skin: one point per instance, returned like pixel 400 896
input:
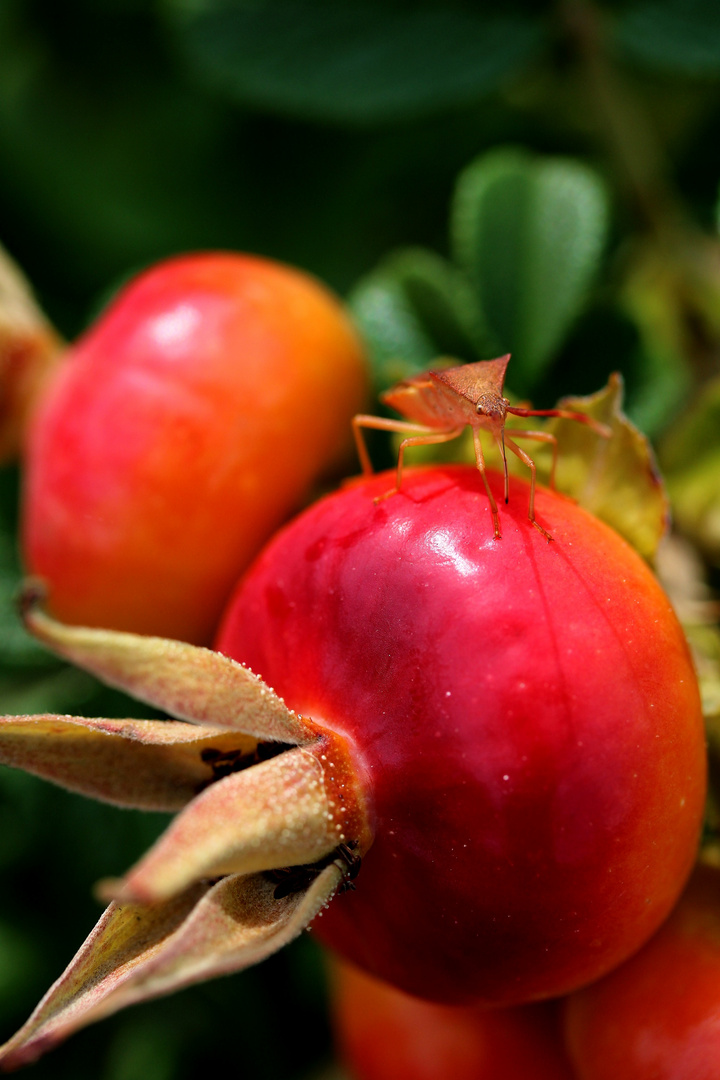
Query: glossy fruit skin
pixel 525 718
pixel 383 1034
pixel 658 1016
pixel 180 431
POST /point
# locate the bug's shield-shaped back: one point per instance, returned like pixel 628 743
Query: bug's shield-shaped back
pixel 418 400
pixel 474 381
pixel 408 399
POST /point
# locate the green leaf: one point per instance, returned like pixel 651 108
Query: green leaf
pixel 354 62
pixel 530 233
pixel 444 301
pixel 680 36
pixel 413 308
pixel 397 344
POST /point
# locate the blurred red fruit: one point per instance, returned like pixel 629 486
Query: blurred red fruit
pixel 178 433
pixel 383 1034
pixel 658 1016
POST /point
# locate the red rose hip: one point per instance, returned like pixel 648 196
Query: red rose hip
pixel 657 1017
pixel 178 433
pixel 524 717
pixel 383 1034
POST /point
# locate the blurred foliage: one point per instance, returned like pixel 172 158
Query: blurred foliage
pixel 691 453
pixel 476 177
pixel 355 62
pixel 527 235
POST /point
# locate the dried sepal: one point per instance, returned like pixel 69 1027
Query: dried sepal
pixel 275 814
pixel 144 764
pixel 189 682
pixel 280 824
pixel 140 952
pixel 30 350
pixel 616 479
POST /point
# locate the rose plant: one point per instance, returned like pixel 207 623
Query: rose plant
pixel 506 733
pixel 178 432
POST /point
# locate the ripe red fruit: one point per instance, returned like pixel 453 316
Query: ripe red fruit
pixel 383 1034
pixel 179 432
pixel 658 1016
pixel 524 717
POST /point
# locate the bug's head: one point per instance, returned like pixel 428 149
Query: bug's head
pixel 492 405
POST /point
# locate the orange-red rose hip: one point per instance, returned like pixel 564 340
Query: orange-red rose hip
pixel 524 717
pixel 179 432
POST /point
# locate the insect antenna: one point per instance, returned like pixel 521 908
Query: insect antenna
pixel 501 447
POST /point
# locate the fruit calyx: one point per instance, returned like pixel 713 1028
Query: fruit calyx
pixel 272 820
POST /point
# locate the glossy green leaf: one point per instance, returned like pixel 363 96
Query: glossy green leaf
pixel 414 308
pixel 680 36
pixel 530 233
pixel 354 62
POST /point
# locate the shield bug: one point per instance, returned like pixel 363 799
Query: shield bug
pixel 439 405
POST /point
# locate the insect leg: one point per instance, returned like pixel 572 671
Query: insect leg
pixel 378 423
pixel 480 461
pixel 531 466
pixel 428 439
pixel 542 436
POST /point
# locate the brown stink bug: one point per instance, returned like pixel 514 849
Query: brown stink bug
pixel 440 404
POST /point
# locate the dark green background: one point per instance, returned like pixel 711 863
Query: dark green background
pixel 326 133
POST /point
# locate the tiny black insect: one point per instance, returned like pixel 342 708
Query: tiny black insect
pixel 225 762
pixel 345 852
pixel 293 879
